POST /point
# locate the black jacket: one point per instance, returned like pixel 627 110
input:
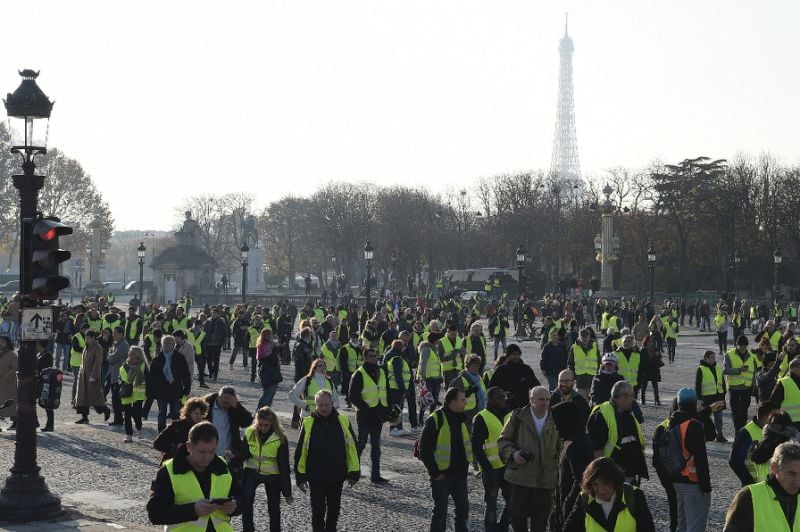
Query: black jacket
pixel 695 444
pixel 216 331
pixel 357 385
pixel 581 405
pixel 327 458
pixel 161 507
pixel 157 385
pixel 427 444
pixel 516 379
pixel 554 359
pixel 576 454
pixel 576 522
pixel 601 386
pixel 172 437
pixel 240 418
pixel 302 355
pixel 479 434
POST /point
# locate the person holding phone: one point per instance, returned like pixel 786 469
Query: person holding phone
pixel 195 489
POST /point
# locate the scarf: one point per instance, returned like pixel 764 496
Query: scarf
pixel 480 394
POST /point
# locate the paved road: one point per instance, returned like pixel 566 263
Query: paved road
pixel 98 475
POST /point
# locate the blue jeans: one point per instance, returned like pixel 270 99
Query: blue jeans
pixel 454 486
pixel 368 428
pixel 63 354
pixel 174 411
pixel 497 341
pixel 267 395
pixel 717 417
pixel 493 483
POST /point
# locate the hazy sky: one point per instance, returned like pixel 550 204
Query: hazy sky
pixel 162 100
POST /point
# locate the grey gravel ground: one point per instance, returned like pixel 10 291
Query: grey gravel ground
pixel 97 475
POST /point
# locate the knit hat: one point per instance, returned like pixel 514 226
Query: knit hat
pixel 687 397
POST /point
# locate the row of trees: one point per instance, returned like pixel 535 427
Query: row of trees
pixel 68 193
pixel 696 213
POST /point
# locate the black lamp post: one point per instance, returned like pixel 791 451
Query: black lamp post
pixel 245 252
pixel 737 260
pixel 25 496
pixel 728 275
pixel 368 253
pixel 520 288
pixel 140 253
pixel 224 281
pixel 651 266
pixel 777 258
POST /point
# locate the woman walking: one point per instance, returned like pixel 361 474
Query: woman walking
pixel 304 390
pixel 269 367
pixel 266 461
pixel 177 432
pixel 132 379
pixel 90 393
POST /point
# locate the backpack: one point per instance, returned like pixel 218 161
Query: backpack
pixel 670 451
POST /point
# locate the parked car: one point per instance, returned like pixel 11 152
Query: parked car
pixel 133 286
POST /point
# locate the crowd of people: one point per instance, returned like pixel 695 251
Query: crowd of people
pixel 567 453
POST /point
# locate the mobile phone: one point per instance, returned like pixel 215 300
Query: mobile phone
pixel 221 501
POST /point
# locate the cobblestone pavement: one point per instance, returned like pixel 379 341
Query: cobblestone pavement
pixel 101 479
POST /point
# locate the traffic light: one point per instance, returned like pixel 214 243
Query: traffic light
pixel 45 258
pixel 49 384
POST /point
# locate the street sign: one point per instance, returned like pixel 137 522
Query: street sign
pixel 37 323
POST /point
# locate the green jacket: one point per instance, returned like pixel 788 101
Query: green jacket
pixel 541 470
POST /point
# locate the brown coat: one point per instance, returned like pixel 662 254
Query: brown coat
pixel 8 381
pixel 90 393
pixel 519 434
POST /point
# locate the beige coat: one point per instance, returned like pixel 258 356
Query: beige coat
pixel 541 470
pixel 90 393
pixel 8 381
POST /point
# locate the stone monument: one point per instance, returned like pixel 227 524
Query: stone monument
pixel 184 267
pixel 95 284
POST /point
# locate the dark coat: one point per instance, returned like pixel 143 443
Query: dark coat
pixel 240 418
pixel 172 437
pixel 157 385
pixel 516 379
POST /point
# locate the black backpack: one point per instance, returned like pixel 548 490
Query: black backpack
pixel 670 451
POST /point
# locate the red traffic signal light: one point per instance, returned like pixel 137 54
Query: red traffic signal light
pixel 46 257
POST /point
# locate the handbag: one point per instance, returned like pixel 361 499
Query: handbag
pixel 125 390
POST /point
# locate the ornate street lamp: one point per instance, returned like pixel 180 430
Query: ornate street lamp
pixel 368 253
pixel 25 496
pixel 245 252
pixel 520 288
pixel 777 259
pixel 140 253
pixel 737 260
pixel 651 266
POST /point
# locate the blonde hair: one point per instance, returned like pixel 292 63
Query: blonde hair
pixel 268 414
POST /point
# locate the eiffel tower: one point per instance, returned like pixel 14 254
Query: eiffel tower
pixel 565 168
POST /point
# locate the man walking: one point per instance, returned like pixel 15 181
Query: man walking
pixel 486 428
pixel 740 369
pixel 369 394
pixel 169 381
pixel 530 442
pixel 116 358
pixel 446 451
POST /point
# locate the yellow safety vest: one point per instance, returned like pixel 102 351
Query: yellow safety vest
pixel 585 362
pixel 76 356
pixel 180 324
pixel 351 455
pixel 467 342
pixel 457 363
pixel 757 471
pixel 745 378
pixel 433 368
pixel 371 392
pixel 629 368
pixel 671 330
pixel 263 456
pixel 331 360
pixel 609 414
pixel 625 520
pixel 775 340
pixel 312 387
pixel 196 341
pixel 187 490
pixel 791 397
pixel 472 401
pixel 768 515
pixel 353 358
pixel 96 325
pixel 138 391
pixel 253 334
pixel 493 428
pixel 708 386
pixel 500 327
pixel 133 329
pixel 444 442
pixel 393 385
